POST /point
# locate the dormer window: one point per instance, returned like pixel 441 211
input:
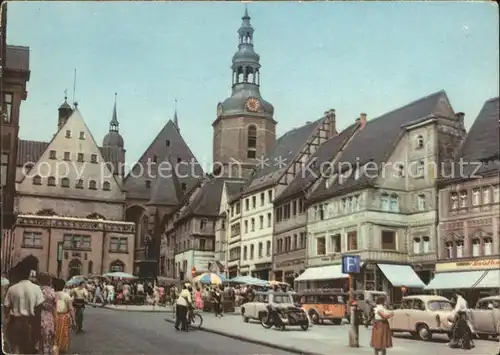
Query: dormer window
pixel 37 180
pixel 68 133
pixel 82 135
pixel 51 181
pixel 92 185
pixel 64 182
pixel 420 142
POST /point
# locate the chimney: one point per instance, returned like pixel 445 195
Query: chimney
pixel 362 119
pixel 333 122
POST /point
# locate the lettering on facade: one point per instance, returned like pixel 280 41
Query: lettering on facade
pixel 479 222
pixel 75 224
pixel 469 265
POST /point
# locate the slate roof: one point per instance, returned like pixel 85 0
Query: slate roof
pixel 29 152
pixel 234 189
pixel 206 202
pixel 375 142
pixel 168 146
pixel 277 160
pixel 325 153
pixel 481 146
pixel 17 58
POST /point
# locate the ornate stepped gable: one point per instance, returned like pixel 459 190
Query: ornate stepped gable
pixel 83 165
pixel 376 141
pixel 326 153
pixel 170 149
pixel 481 146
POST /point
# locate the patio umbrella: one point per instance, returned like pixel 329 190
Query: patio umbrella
pixel 248 280
pixel 278 283
pixel 209 278
pixel 74 281
pixel 5 281
pixel 120 275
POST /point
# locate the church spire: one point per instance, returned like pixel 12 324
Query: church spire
pixel 245 61
pixel 176 120
pixel 113 124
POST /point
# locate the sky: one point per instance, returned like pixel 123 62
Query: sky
pixel 351 56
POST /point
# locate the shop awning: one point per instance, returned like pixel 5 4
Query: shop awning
pixel 490 280
pixel 330 272
pixel 455 280
pixel 401 275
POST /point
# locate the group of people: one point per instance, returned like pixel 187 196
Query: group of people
pixel 117 291
pixel 39 313
pixel 462 330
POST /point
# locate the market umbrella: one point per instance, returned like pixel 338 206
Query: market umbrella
pixel 278 283
pixel 210 278
pixel 74 281
pixel 248 280
pixel 120 275
pixel 5 281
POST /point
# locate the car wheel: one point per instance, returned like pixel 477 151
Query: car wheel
pixel 245 319
pixel 314 317
pixel 337 321
pixel 423 332
pixel 483 336
pixel 304 326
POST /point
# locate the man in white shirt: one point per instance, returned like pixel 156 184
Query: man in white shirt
pixel 22 307
pixel 182 307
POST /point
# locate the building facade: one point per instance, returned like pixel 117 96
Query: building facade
pixel 469 234
pixel 15 75
pixel 382 199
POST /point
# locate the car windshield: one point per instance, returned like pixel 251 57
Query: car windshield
pixel 440 306
pixel 282 299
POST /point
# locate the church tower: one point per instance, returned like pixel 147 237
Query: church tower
pixel 244 129
pixel 114 145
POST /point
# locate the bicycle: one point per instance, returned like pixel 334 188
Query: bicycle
pixel 195 319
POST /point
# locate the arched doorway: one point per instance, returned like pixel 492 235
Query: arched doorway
pixel 74 268
pixel 117 266
pixel 137 215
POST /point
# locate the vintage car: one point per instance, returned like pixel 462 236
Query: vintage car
pixel 486 317
pixel 323 304
pixel 423 316
pixel 284 301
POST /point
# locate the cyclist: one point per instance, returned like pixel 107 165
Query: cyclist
pixel 182 306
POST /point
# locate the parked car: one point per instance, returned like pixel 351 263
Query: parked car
pixel 290 313
pixel 423 316
pixel 486 316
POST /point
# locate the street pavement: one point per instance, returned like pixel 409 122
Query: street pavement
pixel 110 332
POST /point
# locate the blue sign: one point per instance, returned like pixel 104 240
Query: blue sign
pixel 351 264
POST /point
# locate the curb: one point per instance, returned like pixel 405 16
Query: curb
pixel 289 349
pixel 133 310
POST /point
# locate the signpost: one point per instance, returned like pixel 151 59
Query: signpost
pixel 351 265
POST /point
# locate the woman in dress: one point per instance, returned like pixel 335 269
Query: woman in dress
pixel 198 299
pixel 49 314
pixel 381 339
pixel 64 318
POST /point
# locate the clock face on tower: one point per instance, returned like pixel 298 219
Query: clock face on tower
pixel 219 109
pixel 252 104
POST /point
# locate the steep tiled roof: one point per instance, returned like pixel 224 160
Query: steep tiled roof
pixel 376 141
pixel 206 202
pixel 325 153
pixel 31 151
pixel 17 58
pixel 234 188
pixel 481 146
pixel 168 146
pixel 284 151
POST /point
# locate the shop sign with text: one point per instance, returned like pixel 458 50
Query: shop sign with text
pixel 483 264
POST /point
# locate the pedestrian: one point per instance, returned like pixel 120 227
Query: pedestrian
pixel 80 295
pixel 183 303
pixel 23 309
pixel 98 294
pixel 198 299
pixel 48 315
pixel 381 338
pixel 217 297
pixel 65 317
